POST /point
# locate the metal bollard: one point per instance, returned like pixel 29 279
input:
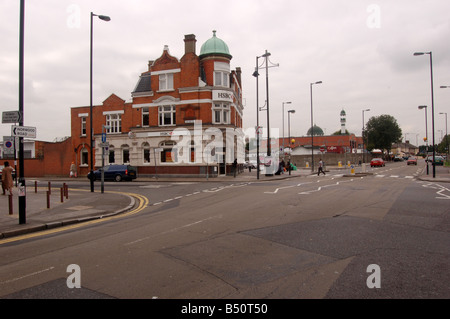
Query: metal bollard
pixel 35 187
pixel 10 204
pixel 48 199
pixel 62 194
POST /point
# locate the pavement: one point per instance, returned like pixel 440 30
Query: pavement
pixel 45 211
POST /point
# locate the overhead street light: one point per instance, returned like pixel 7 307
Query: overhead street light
pixel 282 112
pixel 363 130
pixel 312 129
pixel 289 133
pixel 91 133
pixel 426 134
pixel 432 106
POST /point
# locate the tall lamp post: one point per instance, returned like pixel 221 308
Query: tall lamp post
pixel 22 197
pixel 282 109
pixel 257 130
pixel 446 133
pixel 91 133
pixel 289 133
pixel 426 134
pixel 363 137
pixel 312 123
pixel 432 106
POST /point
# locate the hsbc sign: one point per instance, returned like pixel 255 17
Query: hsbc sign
pixel 222 95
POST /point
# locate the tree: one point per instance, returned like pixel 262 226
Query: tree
pixel 381 132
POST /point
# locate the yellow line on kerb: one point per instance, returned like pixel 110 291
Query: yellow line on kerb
pixel 143 203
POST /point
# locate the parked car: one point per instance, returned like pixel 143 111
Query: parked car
pixel 115 172
pixel 398 158
pixel 412 161
pixel 377 162
pixel 439 160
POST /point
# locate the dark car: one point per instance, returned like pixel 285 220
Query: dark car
pixel 115 173
pixel 376 162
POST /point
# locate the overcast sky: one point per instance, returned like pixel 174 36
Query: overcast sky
pixel 361 50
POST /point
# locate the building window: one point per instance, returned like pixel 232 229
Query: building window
pixel 167 115
pixel 84 156
pixel 221 78
pixel 166 82
pixel 111 157
pixel 114 121
pixel 168 154
pixel 83 126
pixel 145 117
pixel 125 154
pixel 146 152
pixel 221 113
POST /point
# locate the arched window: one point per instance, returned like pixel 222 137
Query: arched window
pixel 125 154
pixel 168 154
pixel 111 155
pixel 84 156
pixel 146 152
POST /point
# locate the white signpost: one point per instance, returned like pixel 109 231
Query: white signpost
pixel 23 131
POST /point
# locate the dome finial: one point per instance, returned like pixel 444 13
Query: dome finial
pixel 214 33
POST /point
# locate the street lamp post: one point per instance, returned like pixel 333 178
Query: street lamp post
pixel 446 132
pixel 363 137
pixel 289 133
pixel 104 127
pixel 91 133
pixel 282 118
pixel 257 130
pixel 432 107
pixel 312 129
pixel 426 134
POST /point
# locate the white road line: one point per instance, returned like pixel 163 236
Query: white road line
pixel 25 276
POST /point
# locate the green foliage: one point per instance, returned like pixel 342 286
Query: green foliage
pixel 381 132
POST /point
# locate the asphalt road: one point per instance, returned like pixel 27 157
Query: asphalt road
pixel 307 237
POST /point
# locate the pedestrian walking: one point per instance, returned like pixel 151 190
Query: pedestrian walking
pixel 73 170
pixel 7 180
pixel 235 167
pixel 320 168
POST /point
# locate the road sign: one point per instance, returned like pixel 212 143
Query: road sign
pixel 103 137
pixel 11 117
pixel 8 145
pixel 23 131
pixel 106 144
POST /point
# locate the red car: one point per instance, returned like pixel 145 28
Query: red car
pixel 377 162
pixel 412 161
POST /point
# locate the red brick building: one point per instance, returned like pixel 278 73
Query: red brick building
pixel 184 118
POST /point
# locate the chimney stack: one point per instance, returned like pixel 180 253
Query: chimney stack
pixel 189 43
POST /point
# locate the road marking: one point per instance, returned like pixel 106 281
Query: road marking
pixel 280 188
pixel 143 203
pixel 26 276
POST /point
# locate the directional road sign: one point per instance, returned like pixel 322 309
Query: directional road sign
pixel 23 131
pixel 11 117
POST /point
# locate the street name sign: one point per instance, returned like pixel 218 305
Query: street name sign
pixel 23 131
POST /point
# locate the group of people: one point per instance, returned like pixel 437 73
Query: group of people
pixel 7 178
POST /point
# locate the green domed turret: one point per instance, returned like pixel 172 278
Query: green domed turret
pixel 215 46
pixel 317 131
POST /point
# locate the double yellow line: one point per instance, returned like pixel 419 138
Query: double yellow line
pixel 142 204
